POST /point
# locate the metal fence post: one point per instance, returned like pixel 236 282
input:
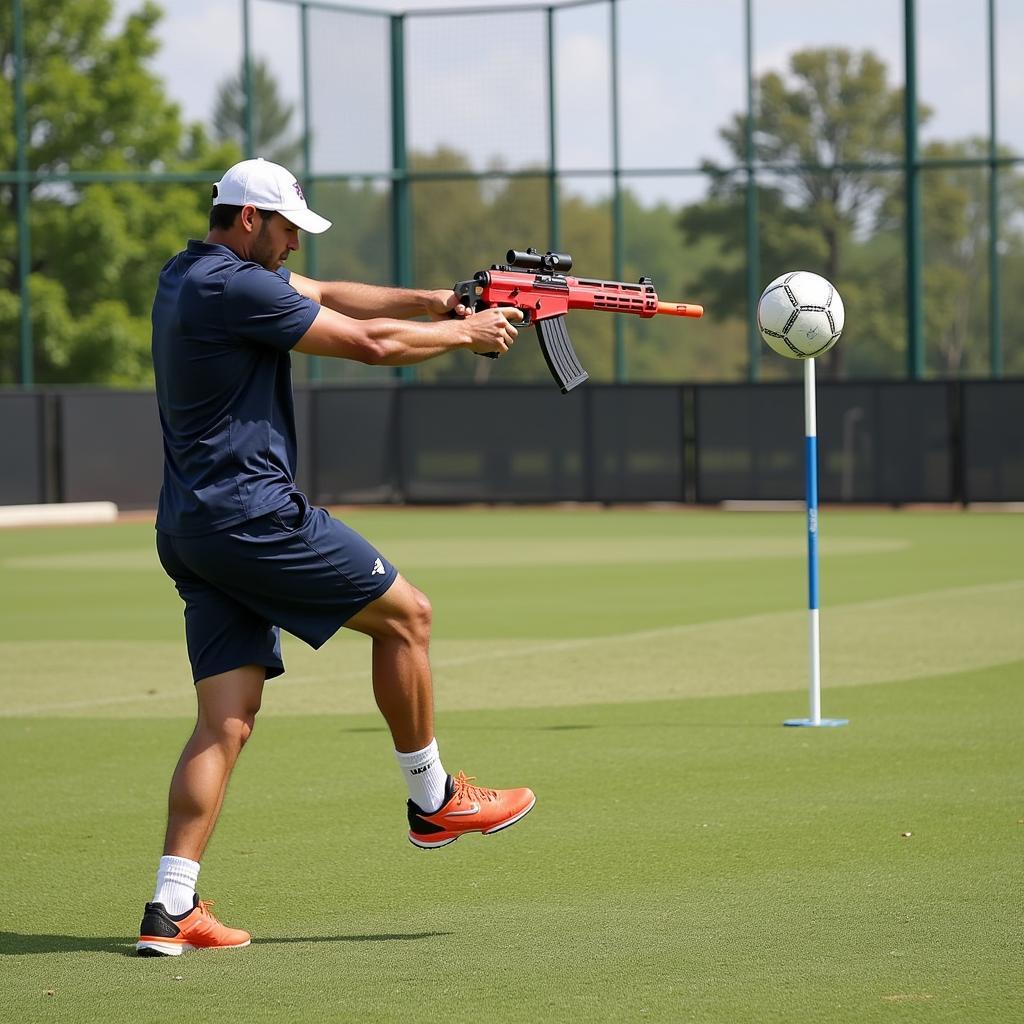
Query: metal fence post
pixel 753 225
pixel 315 366
pixel 995 324
pixel 618 230
pixel 250 138
pixel 401 201
pixel 26 347
pixel 554 213
pixel 912 177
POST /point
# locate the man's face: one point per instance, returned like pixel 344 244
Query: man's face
pixel 275 239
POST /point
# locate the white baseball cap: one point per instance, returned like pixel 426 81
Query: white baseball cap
pixel 267 186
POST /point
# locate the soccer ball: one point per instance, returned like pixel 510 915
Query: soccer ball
pixel 800 315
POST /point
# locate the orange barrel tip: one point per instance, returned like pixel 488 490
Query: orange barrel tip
pixel 681 309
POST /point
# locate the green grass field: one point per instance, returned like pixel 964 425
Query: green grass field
pixel 689 859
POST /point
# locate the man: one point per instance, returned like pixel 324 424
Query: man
pixel 247 552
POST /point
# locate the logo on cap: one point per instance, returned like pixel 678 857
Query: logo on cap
pixel 298 190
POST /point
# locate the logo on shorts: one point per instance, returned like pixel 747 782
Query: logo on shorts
pixel 378 569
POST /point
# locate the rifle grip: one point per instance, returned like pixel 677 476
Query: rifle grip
pixel 559 353
pixel 466 291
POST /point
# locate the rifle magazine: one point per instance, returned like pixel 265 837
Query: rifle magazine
pixel 559 354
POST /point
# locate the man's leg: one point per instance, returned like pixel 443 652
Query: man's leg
pixel 175 920
pixel 441 808
pixel 227 712
pixel 399 623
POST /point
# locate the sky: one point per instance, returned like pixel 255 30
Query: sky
pixel 477 82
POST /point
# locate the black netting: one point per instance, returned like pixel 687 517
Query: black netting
pixel 22 478
pixel 993 440
pixel 353 445
pixel 111 447
pixel 493 444
pixel 886 443
pixel 749 442
pixel 636 444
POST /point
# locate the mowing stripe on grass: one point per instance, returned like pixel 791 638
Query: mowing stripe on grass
pixel 686 862
pixel 955 629
pixel 476 553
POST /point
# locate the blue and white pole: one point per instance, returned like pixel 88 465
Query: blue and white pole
pixel 811 479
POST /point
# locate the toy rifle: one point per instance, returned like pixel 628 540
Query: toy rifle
pixel 539 287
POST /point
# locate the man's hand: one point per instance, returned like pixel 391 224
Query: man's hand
pixel 442 302
pixel 391 342
pixel 491 330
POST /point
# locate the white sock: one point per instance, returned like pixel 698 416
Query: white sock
pixel 176 884
pixel 425 776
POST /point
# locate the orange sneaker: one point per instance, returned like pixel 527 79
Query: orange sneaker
pixel 465 809
pixel 164 935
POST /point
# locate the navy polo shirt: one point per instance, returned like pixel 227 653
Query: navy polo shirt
pixel 222 332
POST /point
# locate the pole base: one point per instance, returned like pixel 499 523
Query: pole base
pixel 810 723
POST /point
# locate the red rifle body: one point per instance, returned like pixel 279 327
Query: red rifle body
pixel 542 296
pixel 546 296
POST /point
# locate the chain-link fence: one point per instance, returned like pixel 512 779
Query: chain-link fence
pixel 711 146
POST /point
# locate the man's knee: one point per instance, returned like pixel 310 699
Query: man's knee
pixel 403 613
pixel 231 732
pixel 417 618
pixel 245 729
pixel 228 705
pixel 240 729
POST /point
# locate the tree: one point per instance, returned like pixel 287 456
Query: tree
pixel 834 108
pixel 271 116
pixel 955 214
pixel 93 106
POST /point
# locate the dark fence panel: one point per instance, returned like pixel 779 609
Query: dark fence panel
pixel 915 437
pixel 993 440
pixel 636 444
pixel 889 442
pixel 884 443
pixel 111 447
pixel 22 452
pixel 305 431
pixel 748 442
pixel 353 445
pixel 493 444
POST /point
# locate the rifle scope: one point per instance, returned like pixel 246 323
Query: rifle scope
pixel 533 260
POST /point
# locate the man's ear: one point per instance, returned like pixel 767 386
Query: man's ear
pixel 247 217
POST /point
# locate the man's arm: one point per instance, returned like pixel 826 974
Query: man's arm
pixel 366 301
pixel 393 342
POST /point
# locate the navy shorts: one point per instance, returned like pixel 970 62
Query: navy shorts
pixel 297 569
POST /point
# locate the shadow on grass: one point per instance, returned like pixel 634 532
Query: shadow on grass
pixel 579 726
pixel 606 726
pixel 15 944
pixel 383 937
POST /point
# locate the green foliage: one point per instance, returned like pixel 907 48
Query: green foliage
pixel 463 224
pixel 93 106
pixel 833 107
pixel 849 225
pixel 271 116
pixel 1013 306
pixel 956 244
